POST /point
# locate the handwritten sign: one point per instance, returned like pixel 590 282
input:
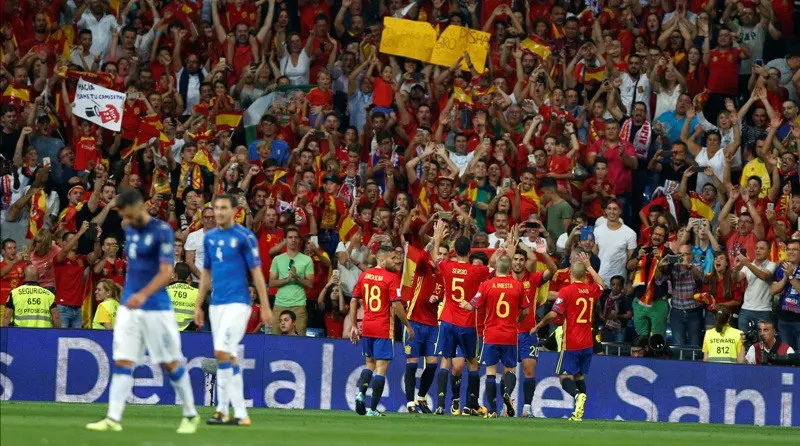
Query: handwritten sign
pixel 454 41
pixel 407 38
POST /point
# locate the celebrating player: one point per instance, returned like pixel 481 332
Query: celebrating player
pixel 505 302
pixel 528 343
pixel 576 303
pixel 461 282
pixel 145 318
pixel 378 288
pixel 422 298
pixel 231 250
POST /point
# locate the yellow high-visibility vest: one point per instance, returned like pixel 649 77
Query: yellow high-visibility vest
pixel 723 347
pixel 32 305
pixel 183 298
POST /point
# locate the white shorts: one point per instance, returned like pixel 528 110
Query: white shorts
pixel 228 324
pixel 138 329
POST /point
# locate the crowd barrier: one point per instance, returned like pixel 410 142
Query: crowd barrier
pixel 312 373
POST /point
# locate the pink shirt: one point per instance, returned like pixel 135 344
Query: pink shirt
pixel 618 175
pixel 46 266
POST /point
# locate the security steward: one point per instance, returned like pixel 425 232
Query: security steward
pixel 183 296
pixel 30 305
pixel 723 343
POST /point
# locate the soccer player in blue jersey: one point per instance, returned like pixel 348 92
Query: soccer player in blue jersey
pixel 145 318
pixel 231 251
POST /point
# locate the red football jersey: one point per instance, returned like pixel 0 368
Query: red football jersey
pixel 530 284
pixel 378 288
pixel 420 309
pixel 461 281
pixel 576 303
pixel 503 298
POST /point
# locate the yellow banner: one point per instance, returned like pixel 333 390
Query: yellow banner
pixel 407 38
pixel 454 41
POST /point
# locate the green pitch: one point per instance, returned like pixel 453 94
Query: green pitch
pixel 63 424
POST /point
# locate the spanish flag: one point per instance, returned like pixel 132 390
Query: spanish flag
pixel 645 276
pixel 38 211
pixel 471 192
pixel 700 207
pixel 424 201
pixel 66 218
pixel 146 131
pixel 228 119
pixel 531 195
pixel 19 96
pixel 205 159
pixel 347 228
pixel 62 40
pixel 537 46
pixel 462 96
pixel 240 216
pixel 280 174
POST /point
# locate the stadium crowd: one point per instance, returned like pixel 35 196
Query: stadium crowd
pixel 659 138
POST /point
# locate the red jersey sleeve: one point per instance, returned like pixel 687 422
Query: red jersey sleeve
pixel 480 298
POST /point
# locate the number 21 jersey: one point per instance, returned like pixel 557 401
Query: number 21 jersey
pixel 576 303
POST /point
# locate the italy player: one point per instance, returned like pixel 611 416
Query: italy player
pixel 379 290
pixel 458 327
pixel 231 251
pixel 145 318
pixel 576 303
pixel 506 304
pixel 522 263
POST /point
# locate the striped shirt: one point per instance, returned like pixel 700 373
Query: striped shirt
pixel 683 288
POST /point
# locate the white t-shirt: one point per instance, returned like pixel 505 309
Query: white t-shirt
pixel 613 246
pixel 194 242
pixel 461 161
pixel 716 163
pixel 756 295
pixel 494 239
pixel 297 74
pixel 634 90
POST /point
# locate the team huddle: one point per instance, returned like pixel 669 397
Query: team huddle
pixel 488 318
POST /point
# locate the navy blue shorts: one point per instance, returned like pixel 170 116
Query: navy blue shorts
pixel 528 346
pixel 478 350
pixel 424 342
pixel 377 348
pixel 452 338
pixel 575 362
pixel 505 354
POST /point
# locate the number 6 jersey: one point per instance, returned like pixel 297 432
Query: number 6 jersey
pixel 503 298
pixel 377 288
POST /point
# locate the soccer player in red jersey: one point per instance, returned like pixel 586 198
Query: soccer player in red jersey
pixel 528 343
pixel 422 298
pixel 461 282
pixel 379 289
pixel 576 302
pixel 506 304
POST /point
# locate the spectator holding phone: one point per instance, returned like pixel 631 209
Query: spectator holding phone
pixel 686 314
pixel 651 265
pixel 292 273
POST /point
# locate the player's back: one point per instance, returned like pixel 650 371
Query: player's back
pixel 576 303
pixel 147 248
pixel 230 254
pixel 503 298
pixel 427 283
pixel 377 288
pixel 461 281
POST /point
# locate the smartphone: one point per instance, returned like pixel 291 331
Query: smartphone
pixel 771 207
pixel 166 196
pixel 759 62
pixel 667 152
pixel 696 169
pixel 335 273
pixel 487 142
pixel 319 133
pixel 506 183
pixel 587 233
pixel 531 225
pixel 672 259
pixel 531 159
pixel 222 61
pixel 46 162
pixel 743 252
pixel 420 131
pixel 91 233
pixel 446 215
pixel 699 222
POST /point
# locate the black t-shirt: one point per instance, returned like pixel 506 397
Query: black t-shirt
pixel 669 172
pixel 8 143
pixel 112 226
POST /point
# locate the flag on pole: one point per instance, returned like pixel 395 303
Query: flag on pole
pixel 347 228
pixel 537 46
pixel 228 120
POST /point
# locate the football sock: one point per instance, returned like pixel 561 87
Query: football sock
pixel 363 381
pixel 410 380
pixel 502 387
pixel 491 392
pixel 528 389
pixel 377 391
pixel 224 378
pixel 426 380
pixel 581 385
pixel 179 379
pixel 455 383
pixel 236 394
pixel 120 390
pixel 441 386
pixel 510 381
pixel 569 386
pixel 473 388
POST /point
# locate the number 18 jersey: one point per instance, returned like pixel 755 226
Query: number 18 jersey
pixel 461 281
pixel 377 288
pixel 576 303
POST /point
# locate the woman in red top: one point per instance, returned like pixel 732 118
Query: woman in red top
pixel 697 74
pixel 333 306
pixel 722 287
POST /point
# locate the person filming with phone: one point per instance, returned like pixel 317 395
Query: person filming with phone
pixel 652 265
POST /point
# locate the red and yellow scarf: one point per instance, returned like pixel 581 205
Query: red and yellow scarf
pixel 645 276
pixel 66 219
pixel 38 212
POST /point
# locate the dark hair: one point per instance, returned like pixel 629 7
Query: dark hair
pixel 291 229
pixel 548 183
pixel 84 31
pixel 721 317
pixel 182 271
pixel 7 241
pixel 480 255
pixel 290 313
pixel 230 197
pixel 618 277
pixel 128 197
pixel 462 246
pixel 756 178
pixel 601 159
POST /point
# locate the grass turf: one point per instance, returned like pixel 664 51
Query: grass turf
pixel 27 424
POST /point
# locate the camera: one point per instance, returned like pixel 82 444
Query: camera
pixel 792 359
pixel 751 333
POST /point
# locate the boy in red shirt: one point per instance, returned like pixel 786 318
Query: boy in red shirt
pixel 320 97
pixel 596 188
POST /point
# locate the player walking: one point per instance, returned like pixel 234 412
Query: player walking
pixel 528 343
pixel 145 318
pixel 458 327
pixel 422 302
pixel 231 250
pixel 378 288
pixel 506 304
pixel 576 303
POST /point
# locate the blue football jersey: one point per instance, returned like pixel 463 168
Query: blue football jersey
pixel 147 248
pixel 229 255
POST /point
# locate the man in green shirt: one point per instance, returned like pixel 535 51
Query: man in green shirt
pixel 292 273
pixel 559 212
